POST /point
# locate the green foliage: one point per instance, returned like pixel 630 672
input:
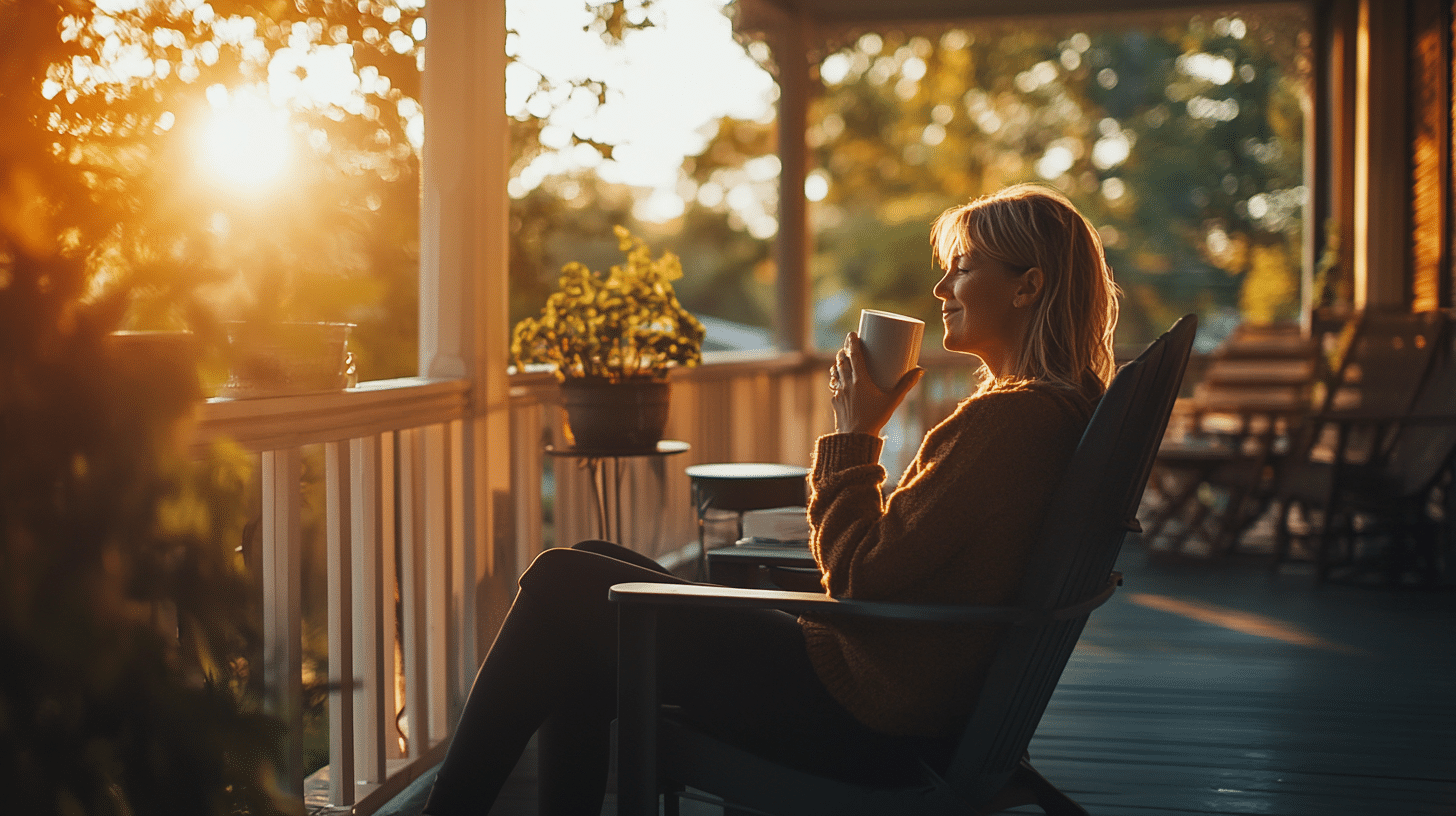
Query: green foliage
pixel 624 324
pixel 562 220
pixel 119 628
pixel 125 630
pixel 730 273
pixel 125 100
pixel 1178 135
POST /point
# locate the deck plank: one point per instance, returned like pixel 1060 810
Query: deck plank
pixel 1259 694
pixel 1161 713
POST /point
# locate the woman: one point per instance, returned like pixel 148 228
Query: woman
pixel 1026 289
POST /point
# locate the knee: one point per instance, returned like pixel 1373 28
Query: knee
pixel 596 545
pixel 549 563
pixel 567 569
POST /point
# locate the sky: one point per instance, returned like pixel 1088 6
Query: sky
pixel 667 84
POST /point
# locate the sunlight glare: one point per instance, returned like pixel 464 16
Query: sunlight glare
pixel 1237 620
pixel 247 141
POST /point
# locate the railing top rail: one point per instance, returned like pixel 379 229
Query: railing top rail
pixel 724 364
pixel 373 407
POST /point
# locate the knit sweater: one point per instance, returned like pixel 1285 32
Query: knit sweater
pixel 958 529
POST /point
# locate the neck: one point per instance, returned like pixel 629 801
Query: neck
pixel 998 362
pixel 1002 358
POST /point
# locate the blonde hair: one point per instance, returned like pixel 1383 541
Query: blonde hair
pixel 1069 338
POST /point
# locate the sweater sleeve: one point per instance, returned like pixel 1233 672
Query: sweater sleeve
pixel 964 480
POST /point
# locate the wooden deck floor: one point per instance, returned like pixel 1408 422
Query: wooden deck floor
pixel 1222 689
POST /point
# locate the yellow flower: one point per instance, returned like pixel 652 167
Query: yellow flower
pixel 625 323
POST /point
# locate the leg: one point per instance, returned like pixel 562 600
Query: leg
pixel 553 663
pixel 744 676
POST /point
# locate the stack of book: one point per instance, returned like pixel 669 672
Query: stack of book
pixel 776 526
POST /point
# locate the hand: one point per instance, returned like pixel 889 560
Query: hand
pixel 859 405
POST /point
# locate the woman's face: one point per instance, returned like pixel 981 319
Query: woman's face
pixel 977 296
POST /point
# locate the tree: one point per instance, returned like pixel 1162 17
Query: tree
pixel 125 631
pixel 129 98
pixel 1179 137
pixel 117 628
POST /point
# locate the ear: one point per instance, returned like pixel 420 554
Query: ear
pixel 1032 281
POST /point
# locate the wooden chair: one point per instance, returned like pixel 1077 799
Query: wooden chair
pixel 1382 359
pixel 1071 574
pixel 1370 460
pixel 1256 387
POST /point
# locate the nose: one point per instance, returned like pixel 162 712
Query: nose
pixel 942 287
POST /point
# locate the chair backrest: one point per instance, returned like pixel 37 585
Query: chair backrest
pixel 1090 512
pixel 1388 358
pixel 1424 447
pixel 1260 374
pixel 1385 363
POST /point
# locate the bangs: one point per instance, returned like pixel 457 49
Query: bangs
pixel 948 237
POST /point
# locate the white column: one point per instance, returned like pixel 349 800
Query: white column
pixel 1381 237
pixel 464 252
pixel 790 44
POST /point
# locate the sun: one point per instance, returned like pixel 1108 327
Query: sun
pixel 247 142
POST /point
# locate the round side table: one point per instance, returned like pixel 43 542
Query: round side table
pixel 606 481
pixel 743 486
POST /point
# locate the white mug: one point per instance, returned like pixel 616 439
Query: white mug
pixel 891 345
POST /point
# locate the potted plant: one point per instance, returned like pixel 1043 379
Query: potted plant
pixel 273 359
pixel 610 340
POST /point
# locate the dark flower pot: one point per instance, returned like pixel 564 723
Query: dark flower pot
pixel 604 415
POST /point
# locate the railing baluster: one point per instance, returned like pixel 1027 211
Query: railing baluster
pixel 282 594
pixel 463 576
pixel 435 463
pixel 365 535
pixel 528 436
pixel 576 510
pixel 390 625
pixel 375 466
pixel 413 637
pixel 337 474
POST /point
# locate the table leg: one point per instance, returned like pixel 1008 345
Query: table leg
pixel 617 500
pixel 701 505
pixel 598 487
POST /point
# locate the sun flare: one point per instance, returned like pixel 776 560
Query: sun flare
pixel 247 142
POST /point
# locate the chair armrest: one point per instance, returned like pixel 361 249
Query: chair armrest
pixel 639 604
pixel 656 594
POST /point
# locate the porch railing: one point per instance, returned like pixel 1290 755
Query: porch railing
pixel 401 607
pixel 395 594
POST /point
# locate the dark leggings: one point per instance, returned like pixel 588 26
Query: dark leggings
pixel 743 675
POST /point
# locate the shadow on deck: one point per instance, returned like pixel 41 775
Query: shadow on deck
pixel 1221 688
